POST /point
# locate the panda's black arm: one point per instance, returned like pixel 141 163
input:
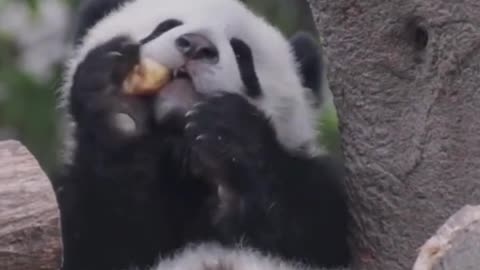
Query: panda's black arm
pixel 119 206
pixel 297 210
pixel 121 199
pixel 287 204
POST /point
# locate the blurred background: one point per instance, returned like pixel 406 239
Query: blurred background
pixel 34 40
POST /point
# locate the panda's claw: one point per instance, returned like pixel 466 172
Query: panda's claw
pixel 115 54
pixel 201 137
pixel 198 105
pixel 190 113
pixel 189 125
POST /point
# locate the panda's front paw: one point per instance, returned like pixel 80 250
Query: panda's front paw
pixel 97 101
pixel 105 68
pixel 229 141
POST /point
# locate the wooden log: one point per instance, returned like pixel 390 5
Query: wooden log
pixel 29 223
pixel 456 245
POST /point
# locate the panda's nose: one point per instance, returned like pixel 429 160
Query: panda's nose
pixel 197 47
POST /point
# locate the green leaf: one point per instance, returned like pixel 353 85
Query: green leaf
pixel 329 135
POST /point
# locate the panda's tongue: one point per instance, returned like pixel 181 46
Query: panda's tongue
pixel 178 95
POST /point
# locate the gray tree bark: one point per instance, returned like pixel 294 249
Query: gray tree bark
pixel 405 75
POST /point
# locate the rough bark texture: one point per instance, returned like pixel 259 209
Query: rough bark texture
pixel 456 244
pixel 405 75
pixel 29 231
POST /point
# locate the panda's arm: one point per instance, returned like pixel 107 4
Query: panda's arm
pixel 298 212
pixel 119 208
pixel 121 198
pixel 269 198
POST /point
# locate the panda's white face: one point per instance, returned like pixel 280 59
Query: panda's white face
pixel 214 45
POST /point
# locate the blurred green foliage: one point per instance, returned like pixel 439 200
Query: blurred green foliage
pixel 27 104
pixel 329 136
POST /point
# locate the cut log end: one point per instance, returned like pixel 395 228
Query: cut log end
pixel 29 224
pixel 456 244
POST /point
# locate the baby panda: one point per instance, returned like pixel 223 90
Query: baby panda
pixel 220 168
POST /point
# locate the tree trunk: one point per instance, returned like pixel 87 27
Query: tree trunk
pixel 29 231
pixel 405 75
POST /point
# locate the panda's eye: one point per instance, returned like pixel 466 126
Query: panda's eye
pixel 161 29
pixel 240 48
pixel 244 57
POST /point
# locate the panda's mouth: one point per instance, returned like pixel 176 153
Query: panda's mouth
pixel 180 80
pixel 181 73
pixel 179 94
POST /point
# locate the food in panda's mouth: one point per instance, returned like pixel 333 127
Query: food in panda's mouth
pixel 147 78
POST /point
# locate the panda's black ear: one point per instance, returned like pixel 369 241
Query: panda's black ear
pixel 308 53
pixel 90 12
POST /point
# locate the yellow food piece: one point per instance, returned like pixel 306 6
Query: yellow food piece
pixel 147 78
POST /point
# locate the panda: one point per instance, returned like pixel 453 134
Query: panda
pixel 218 170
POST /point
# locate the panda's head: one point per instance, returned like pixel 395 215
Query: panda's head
pixel 220 45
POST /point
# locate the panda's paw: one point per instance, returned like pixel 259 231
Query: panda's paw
pixel 229 141
pixel 97 99
pixel 105 68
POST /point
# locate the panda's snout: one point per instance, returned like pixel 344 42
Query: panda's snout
pixel 197 47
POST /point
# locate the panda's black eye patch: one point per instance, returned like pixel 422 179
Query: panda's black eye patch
pixel 161 29
pixel 244 57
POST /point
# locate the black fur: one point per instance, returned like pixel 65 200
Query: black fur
pixel 244 57
pixel 125 199
pixel 309 57
pixel 288 205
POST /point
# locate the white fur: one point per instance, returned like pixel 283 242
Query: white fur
pixel 216 257
pixel 283 97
